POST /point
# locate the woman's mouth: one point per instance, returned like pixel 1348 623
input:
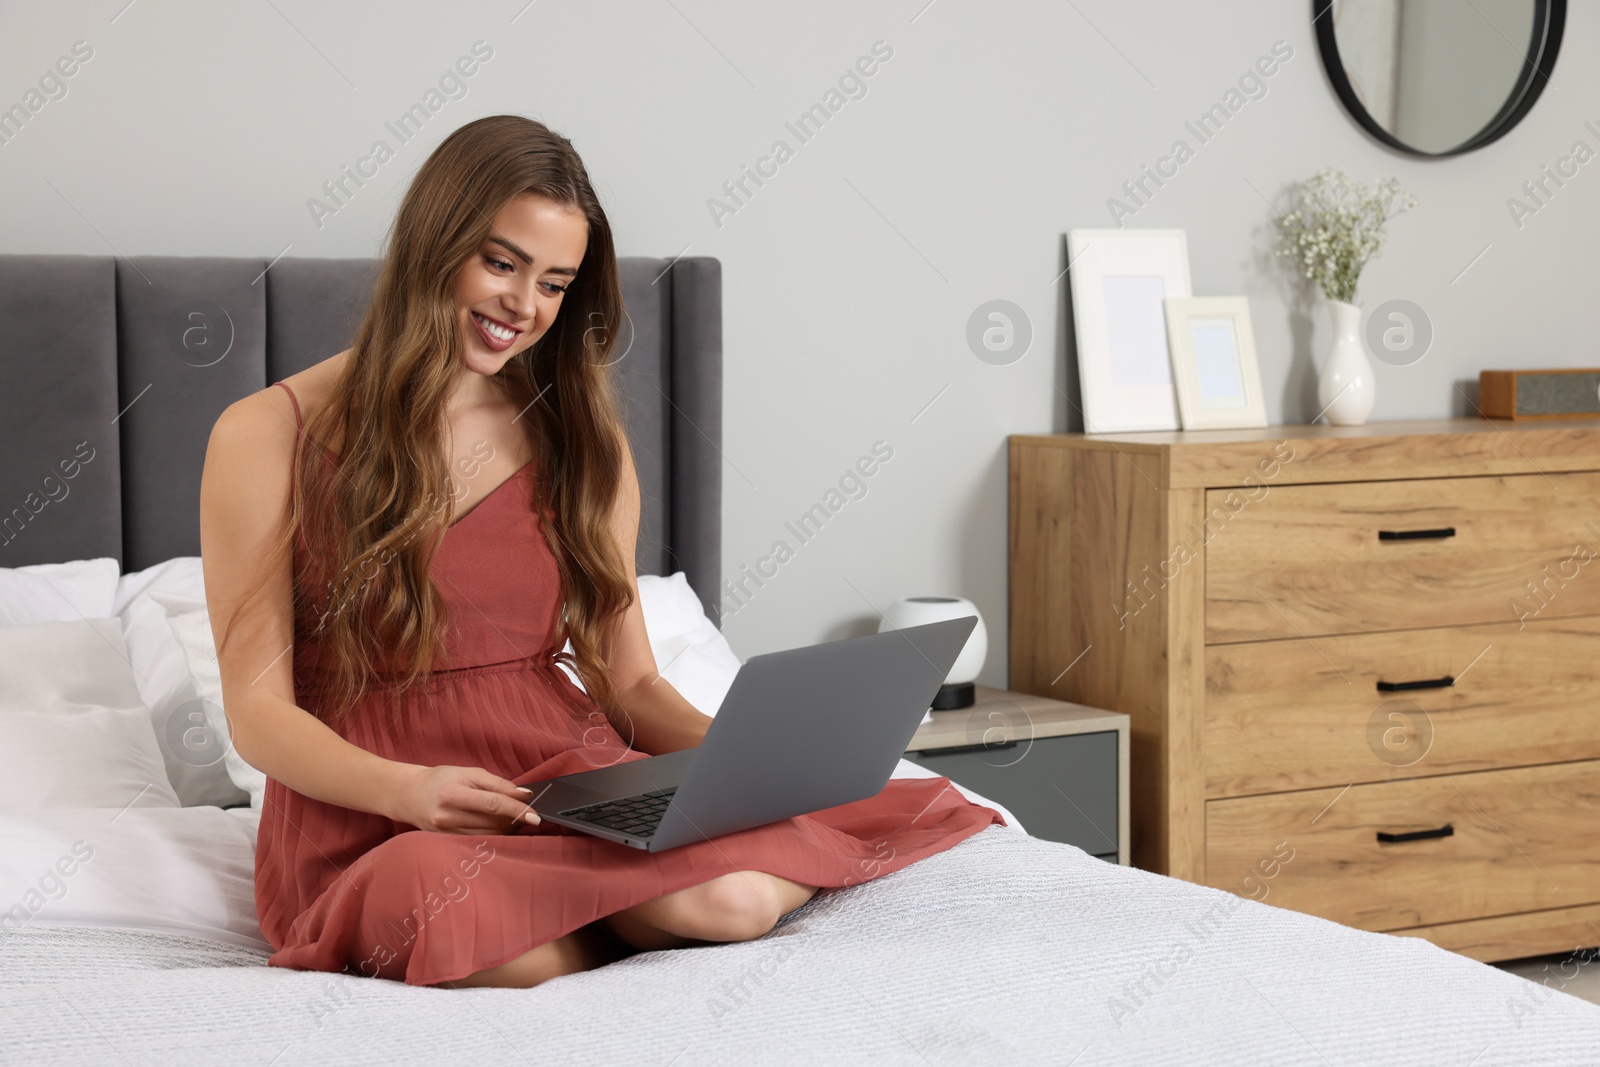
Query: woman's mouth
pixel 495 336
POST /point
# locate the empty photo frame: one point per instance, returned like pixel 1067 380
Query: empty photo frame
pixel 1119 281
pixel 1214 363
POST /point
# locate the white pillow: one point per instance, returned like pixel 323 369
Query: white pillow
pixel 58 592
pixel 187 871
pixel 181 574
pixel 73 731
pixel 671 606
pixel 690 652
pixel 191 626
pixel 193 749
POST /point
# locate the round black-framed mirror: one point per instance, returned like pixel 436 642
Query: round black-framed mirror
pixel 1438 77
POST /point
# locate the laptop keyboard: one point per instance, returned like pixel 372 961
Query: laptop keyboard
pixel 636 815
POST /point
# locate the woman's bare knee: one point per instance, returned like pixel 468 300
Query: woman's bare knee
pixel 733 907
pixel 737 907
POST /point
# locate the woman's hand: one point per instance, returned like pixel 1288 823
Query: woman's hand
pixel 459 800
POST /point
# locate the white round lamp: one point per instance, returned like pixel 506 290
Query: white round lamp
pixel 957 690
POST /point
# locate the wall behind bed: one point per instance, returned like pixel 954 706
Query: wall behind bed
pixel 942 180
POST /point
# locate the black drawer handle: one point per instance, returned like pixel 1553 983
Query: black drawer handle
pixel 979 747
pixel 1416 535
pixel 1426 683
pixel 1446 830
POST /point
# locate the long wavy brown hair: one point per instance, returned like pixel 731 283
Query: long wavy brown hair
pixel 373 522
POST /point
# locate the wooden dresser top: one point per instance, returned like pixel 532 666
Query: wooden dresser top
pixel 1378 451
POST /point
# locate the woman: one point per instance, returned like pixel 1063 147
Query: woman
pixel 393 599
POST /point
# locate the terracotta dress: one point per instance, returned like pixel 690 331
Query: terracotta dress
pixel 344 890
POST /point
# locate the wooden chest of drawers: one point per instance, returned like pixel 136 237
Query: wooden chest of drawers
pixel 1374 650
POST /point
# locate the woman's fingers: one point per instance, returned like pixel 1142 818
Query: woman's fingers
pixel 472 800
pixel 506 806
pixel 519 795
pixel 488 780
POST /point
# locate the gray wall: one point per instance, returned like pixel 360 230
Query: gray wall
pixel 850 274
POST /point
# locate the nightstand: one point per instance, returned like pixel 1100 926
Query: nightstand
pixel 1061 768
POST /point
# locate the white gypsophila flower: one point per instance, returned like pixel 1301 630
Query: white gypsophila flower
pixel 1336 228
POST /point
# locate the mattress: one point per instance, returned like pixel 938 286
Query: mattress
pixel 1003 949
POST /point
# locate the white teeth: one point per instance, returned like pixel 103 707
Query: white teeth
pixel 499 333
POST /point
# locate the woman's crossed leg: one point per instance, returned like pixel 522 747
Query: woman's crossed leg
pixel 740 906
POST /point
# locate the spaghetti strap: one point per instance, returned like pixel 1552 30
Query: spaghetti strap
pixel 300 428
pixel 298 423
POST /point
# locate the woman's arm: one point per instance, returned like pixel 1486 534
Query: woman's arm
pixel 244 505
pixel 655 717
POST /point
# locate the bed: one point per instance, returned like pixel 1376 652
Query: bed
pixel 127 927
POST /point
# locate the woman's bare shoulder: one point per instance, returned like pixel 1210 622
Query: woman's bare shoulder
pixel 314 385
pixel 256 433
pixel 266 411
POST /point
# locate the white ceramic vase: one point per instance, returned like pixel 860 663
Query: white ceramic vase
pixel 957 691
pixel 1345 389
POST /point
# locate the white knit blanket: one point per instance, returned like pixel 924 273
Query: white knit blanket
pixel 1004 949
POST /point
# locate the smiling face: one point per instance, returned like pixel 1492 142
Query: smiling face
pixel 508 293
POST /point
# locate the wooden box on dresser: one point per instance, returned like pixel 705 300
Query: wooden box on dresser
pixel 1362 664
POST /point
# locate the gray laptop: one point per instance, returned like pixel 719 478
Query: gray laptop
pixel 799 731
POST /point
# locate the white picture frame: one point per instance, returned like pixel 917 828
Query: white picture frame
pixel 1214 363
pixel 1119 280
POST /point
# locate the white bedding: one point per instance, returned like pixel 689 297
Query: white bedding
pixel 1003 949
pixel 99 718
pixel 128 933
pixel 187 871
pixel 170 870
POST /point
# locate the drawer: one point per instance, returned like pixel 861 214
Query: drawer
pixel 1061 788
pixel 1282 715
pixel 1520 840
pixel 1305 560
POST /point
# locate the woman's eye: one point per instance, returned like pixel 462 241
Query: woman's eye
pixel 555 289
pixel 500 263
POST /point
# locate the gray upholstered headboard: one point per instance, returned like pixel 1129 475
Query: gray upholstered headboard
pixel 113 371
